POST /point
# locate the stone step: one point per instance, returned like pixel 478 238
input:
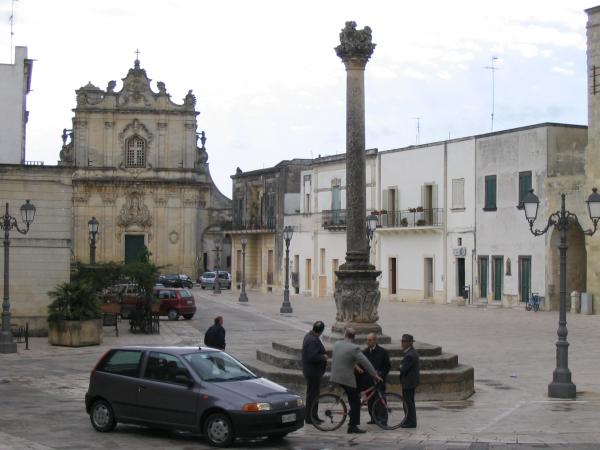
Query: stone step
pixel 394 349
pixel 446 384
pixel 286 360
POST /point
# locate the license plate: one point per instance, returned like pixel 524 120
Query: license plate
pixel 189 302
pixel 287 418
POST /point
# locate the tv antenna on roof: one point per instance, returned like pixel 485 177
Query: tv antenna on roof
pixel 493 69
pixel 418 119
pixel 11 19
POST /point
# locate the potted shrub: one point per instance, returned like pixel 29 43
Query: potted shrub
pixel 412 210
pixel 404 222
pixel 419 209
pixel 74 315
pixel 420 222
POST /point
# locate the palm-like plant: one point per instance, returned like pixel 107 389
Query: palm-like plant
pixel 73 301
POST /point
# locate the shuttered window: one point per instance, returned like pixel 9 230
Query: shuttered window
pixel 490 193
pixel 458 193
pixel 524 186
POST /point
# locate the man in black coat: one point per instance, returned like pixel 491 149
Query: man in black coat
pixel 215 335
pixel 380 358
pixel 409 378
pixel 314 362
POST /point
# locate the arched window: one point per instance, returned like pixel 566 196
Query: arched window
pixel 136 152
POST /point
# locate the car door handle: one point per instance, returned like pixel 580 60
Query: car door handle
pixel 141 388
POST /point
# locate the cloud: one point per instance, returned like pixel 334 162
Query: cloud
pixel 563 70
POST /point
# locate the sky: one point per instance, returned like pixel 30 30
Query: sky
pixel 270 87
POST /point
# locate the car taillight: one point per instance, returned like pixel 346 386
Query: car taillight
pixel 97 364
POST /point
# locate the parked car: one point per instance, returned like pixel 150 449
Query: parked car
pixel 191 389
pixel 128 295
pixel 176 280
pixel 175 302
pixel 207 279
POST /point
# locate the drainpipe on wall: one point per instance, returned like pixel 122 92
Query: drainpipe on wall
pixel 445 193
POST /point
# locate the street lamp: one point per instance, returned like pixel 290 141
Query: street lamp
pixel 7 223
pixel 372 222
pixel 286 307
pixel 561 385
pixel 217 288
pixel 244 242
pixel 93 229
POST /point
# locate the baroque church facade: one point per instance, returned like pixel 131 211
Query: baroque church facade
pixel 139 170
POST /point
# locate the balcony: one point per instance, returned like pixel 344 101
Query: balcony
pixel 412 218
pixel 254 224
pixel 334 219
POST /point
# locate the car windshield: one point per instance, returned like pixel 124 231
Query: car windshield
pixel 217 366
pixel 224 275
pixel 185 293
pixel 208 275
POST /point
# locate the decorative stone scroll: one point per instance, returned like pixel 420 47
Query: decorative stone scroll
pixel 134 212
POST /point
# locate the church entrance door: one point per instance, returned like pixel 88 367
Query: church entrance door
pixel 134 243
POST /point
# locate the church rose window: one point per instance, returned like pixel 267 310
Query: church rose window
pixel 136 152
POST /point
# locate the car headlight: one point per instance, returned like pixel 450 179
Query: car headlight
pixel 300 402
pixel 256 407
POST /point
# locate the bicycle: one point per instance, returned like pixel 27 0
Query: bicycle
pixel 329 410
pixel 534 302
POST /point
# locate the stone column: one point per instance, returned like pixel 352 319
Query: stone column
pixel 357 289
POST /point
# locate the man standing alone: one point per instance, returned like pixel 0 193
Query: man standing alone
pixel 346 355
pixel 215 335
pixel 314 362
pixel 409 378
pixel 380 358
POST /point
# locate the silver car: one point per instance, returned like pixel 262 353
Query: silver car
pixel 189 388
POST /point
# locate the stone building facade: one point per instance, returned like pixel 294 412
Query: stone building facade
pixel 138 169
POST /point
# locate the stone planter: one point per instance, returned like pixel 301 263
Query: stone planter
pixel 75 333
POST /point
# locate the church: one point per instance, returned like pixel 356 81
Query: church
pixel 135 161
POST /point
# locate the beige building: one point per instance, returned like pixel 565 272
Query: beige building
pixel 138 169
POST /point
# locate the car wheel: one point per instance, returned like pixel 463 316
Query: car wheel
pixel 218 430
pixel 188 316
pixel 102 416
pixel 203 287
pixel 173 314
pixel 276 437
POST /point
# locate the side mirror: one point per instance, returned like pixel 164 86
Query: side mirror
pixel 184 379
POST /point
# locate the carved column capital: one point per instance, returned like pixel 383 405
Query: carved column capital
pixel 355 47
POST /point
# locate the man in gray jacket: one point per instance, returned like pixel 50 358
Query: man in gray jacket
pixel 346 355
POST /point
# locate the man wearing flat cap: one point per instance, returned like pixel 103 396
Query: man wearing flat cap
pixel 409 378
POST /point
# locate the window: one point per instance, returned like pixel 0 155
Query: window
pixel 322 261
pixel 307 190
pixel 136 152
pixel 458 193
pixel 217 366
pixel 524 186
pixel 165 367
pixel 490 193
pixel 122 362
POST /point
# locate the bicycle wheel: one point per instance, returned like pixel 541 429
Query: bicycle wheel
pixel 328 412
pixel 536 307
pixel 528 307
pixel 388 410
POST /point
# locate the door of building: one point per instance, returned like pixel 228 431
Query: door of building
pixel 524 277
pixel 308 274
pixel 393 275
pixel 460 276
pixel 483 276
pixel 428 277
pixel 270 267
pixel 498 274
pixel 134 244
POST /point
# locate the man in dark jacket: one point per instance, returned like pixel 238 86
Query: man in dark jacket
pixel 409 378
pixel 314 362
pixel 380 358
pixel 215 335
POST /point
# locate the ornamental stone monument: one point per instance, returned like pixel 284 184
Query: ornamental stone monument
pixel 357 289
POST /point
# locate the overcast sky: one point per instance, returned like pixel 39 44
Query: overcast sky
pixel 269 84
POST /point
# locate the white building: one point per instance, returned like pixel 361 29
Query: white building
pixel 450 218
pixel 15 83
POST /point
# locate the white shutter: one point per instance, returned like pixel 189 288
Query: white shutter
pixel 434 196
pixel 423 194
pixel 397 205
pixel 384 199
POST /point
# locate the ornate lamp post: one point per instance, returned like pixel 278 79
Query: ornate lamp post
pixel 243 296
pixel 286 307
pixel 93 229
pixel 561 385
pixel 8 223
pixel 217 288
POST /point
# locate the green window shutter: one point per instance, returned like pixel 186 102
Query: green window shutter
pixel 524 185
pixel 490 192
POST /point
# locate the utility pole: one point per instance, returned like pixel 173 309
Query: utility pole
pixel 493 69
pixel 418 119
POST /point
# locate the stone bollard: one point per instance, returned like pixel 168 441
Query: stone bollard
pixel 586 303
pixel 575 302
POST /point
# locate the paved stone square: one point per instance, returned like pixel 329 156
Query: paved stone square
pixel 512 351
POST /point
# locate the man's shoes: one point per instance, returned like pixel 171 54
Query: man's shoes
pixel 371 422
pixel 355 430
pixel 407 425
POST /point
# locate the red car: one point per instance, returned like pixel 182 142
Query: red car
pixel 175 302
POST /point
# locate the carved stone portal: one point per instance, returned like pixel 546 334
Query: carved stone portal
pixel 134 212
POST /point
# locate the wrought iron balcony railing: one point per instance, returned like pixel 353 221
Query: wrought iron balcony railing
pixel 416 217
pixel 263 223
pixel 333 219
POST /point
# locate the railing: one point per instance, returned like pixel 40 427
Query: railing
pixel 266 223
pixel 412 218
pixel 333 219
